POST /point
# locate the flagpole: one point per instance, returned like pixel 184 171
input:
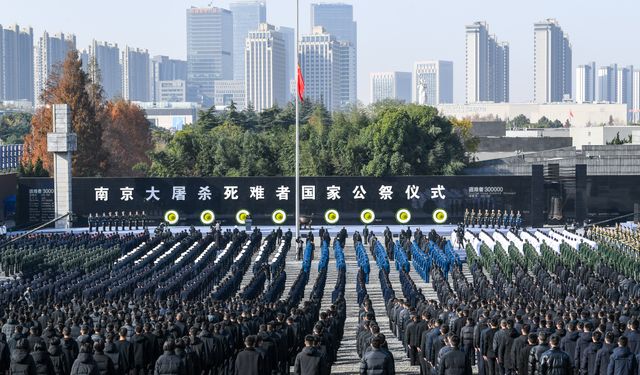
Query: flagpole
pixel 297 123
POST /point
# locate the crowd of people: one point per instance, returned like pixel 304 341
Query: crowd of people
pixel 534 303
pixel 557 308
pixel 166 304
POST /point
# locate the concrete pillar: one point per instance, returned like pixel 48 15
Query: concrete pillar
pixel 62 142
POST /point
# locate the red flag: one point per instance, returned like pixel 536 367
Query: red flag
pixel 300 84
pixel 571 114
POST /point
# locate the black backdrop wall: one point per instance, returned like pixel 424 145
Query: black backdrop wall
pixel 421 195
pixel 604 197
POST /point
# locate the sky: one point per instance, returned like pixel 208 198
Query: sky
pixel 392 34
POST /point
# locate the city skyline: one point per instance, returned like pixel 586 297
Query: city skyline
pixel 405 39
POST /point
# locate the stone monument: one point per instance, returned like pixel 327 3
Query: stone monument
pixel 62 142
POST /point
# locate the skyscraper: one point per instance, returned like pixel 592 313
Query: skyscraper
pixel 433 82
pixel 289 36
pixel 624 83
pixel 337 20
pixel 391 85
pixel 552 63
pixel 247 15
pixel 49 52
pixel 104 62
pixel 16 63
pixel 586 83
pixel 487 66
pixel 635 106
pixel 209 51
pixel 607 83
pixel 135 74
pixel 324 62
pixel 165 69
pixel 265 63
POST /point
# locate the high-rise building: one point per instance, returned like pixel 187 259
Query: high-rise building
pixel 209 51
pixel 624 83
pixel 552 63
pixel 635 92
pixel 135 74
pixel 229 91
pixel 171 91
pixel 16 63
pixel 391 85
pixel 50 51
pixel 165 69
pixel 487 66
pixel 324 62
pixel 607 83
pixel 586 83
pixel 247 15
pixel 433 82
pixel 265 68
pixel 104 62
pixel 337 20
pixel 289 36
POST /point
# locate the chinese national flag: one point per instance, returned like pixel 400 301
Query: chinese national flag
pixel 300 84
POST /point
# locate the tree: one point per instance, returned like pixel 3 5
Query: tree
pixel 69 86
pixel 388 139
pixel 126 137
pixel 620 141
pixel 14 127
pixel 463 129
pixel 544 122
pixel 519 122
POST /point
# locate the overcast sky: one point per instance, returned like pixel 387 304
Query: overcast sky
pixel 392 34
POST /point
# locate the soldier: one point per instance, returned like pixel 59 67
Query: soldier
pixel 104 221
pixel 498 221
pixel 492 219
pixel 465 218
pixel 116 221
pixel 472 218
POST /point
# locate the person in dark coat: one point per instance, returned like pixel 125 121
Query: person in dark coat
pixel 588 359
pixel 456 361
pixel 502 342
pixel 85 364
pixel 141 352
pixel 522 357
pixel 486 347
pixel 554 361
pixel 569 341
pixel 34 338
pixel 466 339
pixel 310 360
pixel 111 351
pixel 603 355
pixel 105 364
pixel 40 356
pixel 169 363
pixel 581 345
pixel 21 361
pixel 69 346
pixel 249 361
pixel 377 361
pixel 622 360
pixel 58 359
pixel 125 350
pixel 414 334
pixel 536 353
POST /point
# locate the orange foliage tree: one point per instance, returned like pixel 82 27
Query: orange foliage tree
pixel 69 85
pixel 126 137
